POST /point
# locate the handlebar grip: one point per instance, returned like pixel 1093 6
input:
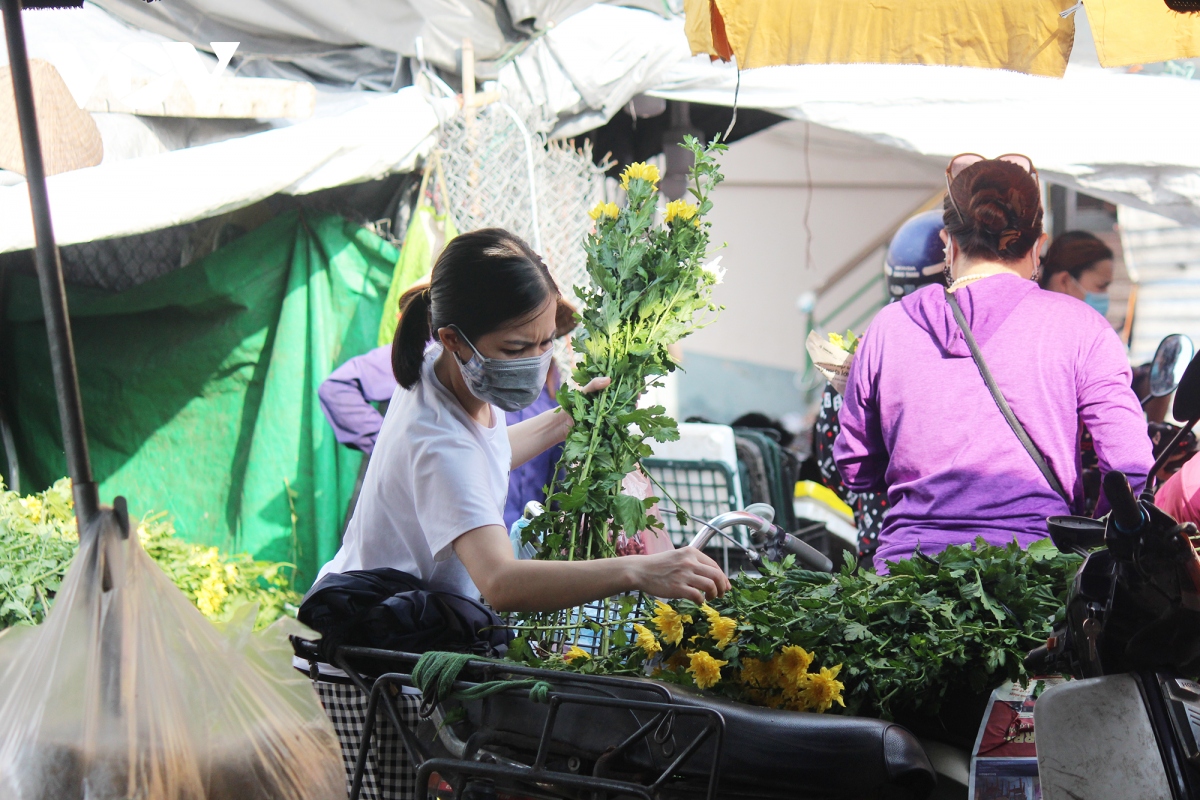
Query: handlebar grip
pixel 1127 515
pixel 806 554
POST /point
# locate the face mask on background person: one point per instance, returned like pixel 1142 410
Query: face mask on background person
pixel 1097 300
pixel 512 384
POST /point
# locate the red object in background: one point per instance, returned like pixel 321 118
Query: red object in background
pixel 1009 734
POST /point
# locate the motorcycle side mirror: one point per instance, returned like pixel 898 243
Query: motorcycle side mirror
pixel 1076 534
pixel 1171 360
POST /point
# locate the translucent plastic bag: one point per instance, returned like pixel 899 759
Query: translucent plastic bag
pixel 126 692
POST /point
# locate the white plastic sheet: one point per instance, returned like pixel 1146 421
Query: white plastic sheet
pixel 385 134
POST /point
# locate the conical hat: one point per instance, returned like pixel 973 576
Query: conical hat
pixel 70 138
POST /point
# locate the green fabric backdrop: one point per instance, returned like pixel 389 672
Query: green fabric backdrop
pixel 200 387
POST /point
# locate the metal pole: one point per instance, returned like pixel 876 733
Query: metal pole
pixel 50 279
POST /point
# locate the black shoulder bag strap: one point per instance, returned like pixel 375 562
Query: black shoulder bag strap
pixel 1005 409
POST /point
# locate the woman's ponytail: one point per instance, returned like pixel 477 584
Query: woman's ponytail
pixel 412 335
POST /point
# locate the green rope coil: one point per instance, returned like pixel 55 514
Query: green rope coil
pixel 435 674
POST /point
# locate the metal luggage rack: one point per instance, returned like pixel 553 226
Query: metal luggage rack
pixel 472 762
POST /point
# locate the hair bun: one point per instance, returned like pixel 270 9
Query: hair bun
pixel 989 212
pixel 994 211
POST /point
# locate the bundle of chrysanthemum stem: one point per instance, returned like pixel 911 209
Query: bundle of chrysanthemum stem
pixel 651 286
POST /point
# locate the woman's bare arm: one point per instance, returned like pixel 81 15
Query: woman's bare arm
pixel 508 584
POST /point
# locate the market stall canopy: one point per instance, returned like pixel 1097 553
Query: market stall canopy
pixel 156 174
pixel 1032 36
pixel 1118 136
pixel 1123 137
pixel 356 43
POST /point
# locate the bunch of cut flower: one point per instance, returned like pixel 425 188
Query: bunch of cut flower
pixel 38 539
pixel 874 645
pixel 833 356
pixel 651 286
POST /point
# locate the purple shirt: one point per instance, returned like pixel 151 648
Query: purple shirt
pixel 919 423
pixel 346 397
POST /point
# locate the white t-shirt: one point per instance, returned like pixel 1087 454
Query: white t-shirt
pixel 435 473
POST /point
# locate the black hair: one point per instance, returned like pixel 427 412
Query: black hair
pixel 1073 252
pixel 1001 211
pixel 482 281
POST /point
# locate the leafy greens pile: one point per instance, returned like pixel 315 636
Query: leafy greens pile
pixel 38 539
pixel 879 644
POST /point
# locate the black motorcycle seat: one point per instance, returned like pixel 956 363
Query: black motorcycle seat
pixel 763 752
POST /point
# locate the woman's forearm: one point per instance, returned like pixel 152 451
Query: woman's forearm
pixel 532 437
pixel 511 585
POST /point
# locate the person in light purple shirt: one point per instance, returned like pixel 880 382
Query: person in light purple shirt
pixel 348 394
pixel 918 420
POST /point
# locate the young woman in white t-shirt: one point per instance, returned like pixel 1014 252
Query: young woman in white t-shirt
pixel 432 501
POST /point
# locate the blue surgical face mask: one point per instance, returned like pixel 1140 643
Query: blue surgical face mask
pixel 1097 300
pixel 510 383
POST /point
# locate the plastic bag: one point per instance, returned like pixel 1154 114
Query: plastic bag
pixel 126 692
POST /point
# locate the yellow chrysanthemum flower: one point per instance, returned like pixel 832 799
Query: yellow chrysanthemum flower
pixel 677 660
pixel 755 673
pixel 669 622
pixel 705 670
pixel 680 210
pixel 639 171
pixel 646 640
pixel 721 630
pixel 574 652
pixel 834 338
pixel 609 210
pixel 823 689
pixel 792 665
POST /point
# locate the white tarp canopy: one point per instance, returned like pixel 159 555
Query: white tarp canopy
pixel 146 184
pixel 1122 137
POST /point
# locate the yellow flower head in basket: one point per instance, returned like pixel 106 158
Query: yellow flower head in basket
pixel 705 669
pixel 669 622
pixel 823 689
pixel 646 640
pixel 575 653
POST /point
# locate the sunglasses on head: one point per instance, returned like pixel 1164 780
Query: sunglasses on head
pixel 963 160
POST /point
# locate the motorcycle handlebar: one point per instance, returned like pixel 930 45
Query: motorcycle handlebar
pixel 1127 515
pixel 806 554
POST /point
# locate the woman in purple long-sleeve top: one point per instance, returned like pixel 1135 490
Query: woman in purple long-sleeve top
pixel 918 420
pixel 348 394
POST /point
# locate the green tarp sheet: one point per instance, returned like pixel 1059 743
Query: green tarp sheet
pixel 200 387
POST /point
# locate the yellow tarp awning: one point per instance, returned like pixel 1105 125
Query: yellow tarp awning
pixel 1021 35
pixel 1141 32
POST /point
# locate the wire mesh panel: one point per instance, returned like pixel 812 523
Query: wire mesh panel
pixel 500 172
pixel 119 264
pixel 703 489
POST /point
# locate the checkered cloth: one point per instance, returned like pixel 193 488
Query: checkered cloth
pixel 390 772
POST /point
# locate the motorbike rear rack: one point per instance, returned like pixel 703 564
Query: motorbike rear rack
pixel 473 764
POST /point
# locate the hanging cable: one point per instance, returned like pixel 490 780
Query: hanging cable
pixel 737 88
